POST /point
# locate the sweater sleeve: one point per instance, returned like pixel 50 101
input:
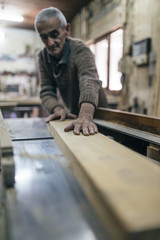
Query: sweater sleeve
pixel 89 83
pixel 48 91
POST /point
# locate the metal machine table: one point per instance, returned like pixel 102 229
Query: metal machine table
pixel 47 202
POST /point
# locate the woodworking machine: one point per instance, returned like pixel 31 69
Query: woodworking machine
pixel 46 200
pixel 41 197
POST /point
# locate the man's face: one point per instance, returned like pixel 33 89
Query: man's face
pixel 53 36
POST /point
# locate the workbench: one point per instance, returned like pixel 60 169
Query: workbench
pixel 46 201
pixel 19 105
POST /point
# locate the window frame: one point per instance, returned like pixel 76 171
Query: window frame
pixel 107 36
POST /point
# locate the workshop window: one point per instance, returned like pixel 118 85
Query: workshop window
pixel 108 51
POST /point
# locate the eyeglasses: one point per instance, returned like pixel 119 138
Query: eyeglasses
pixel 53 34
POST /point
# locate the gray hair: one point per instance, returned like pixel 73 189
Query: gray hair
pixel 45 14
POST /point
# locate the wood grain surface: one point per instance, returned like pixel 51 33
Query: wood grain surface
pixel 122 185
pixel 138 121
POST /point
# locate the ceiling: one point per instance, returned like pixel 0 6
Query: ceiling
pixel 30 8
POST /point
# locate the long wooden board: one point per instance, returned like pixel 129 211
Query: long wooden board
pixel 20 100
pixel 122 185
pixel 136 133
pixel 138 121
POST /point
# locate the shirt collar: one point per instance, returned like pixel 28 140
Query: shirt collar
pixel 65 57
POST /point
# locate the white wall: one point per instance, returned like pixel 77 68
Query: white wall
pixel 13 42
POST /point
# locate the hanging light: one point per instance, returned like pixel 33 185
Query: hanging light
pixel 10 17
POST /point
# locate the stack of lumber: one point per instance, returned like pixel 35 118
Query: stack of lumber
pixel 122 185
pixel 7 165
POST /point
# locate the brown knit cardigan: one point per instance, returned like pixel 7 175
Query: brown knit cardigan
pixel 77 79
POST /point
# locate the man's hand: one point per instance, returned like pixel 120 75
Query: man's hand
pixel 60 113
pixel 84 122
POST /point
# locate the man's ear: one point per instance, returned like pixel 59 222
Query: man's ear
pixel 68 26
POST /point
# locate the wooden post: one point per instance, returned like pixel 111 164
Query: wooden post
pixel 153 151
pixel 7 165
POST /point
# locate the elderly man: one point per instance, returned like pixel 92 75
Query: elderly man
pixel 67 65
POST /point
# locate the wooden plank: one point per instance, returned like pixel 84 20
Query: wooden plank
pixel 7 104
pixel 122 185
pixel 142 135
pixel 20 100
pixel 137 121
pixel 5 140
pixel 6 155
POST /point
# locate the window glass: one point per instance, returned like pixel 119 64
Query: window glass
pixel 101 53
pixel 92 47
pixel 111 78
pixel 116 48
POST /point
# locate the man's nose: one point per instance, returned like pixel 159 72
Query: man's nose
pixel 50 41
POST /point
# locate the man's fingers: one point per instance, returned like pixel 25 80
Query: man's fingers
pixel 73 126
pixel 69 127
pixel 51 117
pixel 77 128
pixel 93 128
pixel 62 115
pixel 87 128
pixel 55 116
